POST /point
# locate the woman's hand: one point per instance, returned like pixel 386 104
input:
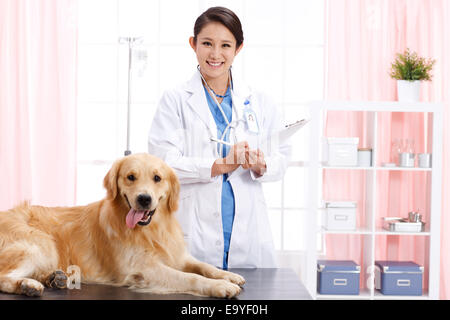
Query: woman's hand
pixel 240 155
pixel 236 157
pixel 255 162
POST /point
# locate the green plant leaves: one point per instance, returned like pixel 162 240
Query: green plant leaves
pixel 409 66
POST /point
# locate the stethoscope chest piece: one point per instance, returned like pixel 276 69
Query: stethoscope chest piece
pixel 249 116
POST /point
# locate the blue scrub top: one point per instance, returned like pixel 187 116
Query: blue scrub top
pixel 227 190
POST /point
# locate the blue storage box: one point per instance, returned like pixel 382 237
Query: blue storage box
pixel 338 277
pixel 398 278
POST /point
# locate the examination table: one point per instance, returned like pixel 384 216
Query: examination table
pixel 261 284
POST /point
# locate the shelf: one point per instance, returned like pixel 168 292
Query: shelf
pixel 345 167
pixel 357 231
pixel 367 231
pixel 364 294
pixel 378 106
pixel 381 231
pixel 379 296
pixel 378 190
pixel 375 168
pixel 379 168
pixel 403 169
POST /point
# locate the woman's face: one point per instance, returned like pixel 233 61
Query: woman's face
pixel 215 50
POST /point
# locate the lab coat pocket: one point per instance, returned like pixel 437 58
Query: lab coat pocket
pixel 261 200
pixel 266 248
pixel 263 219
pixel 184 212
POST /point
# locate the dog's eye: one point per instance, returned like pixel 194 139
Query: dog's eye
pixel 157 178
pixel 131 177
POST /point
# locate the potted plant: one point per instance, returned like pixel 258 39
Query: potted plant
pixel 409 69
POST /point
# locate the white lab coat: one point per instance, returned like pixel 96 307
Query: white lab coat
pixel 180 135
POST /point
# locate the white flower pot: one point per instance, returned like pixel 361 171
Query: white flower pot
pixel 408 91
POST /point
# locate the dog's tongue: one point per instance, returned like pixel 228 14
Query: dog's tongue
pixel 133 217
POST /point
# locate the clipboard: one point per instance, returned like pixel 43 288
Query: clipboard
pixel 281 137
pixel 290 129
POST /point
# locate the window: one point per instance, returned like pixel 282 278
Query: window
pixel 283 55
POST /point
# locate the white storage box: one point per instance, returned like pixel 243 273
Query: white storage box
pixel 340 215
pixel 341 151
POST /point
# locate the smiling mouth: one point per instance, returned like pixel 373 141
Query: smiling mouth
pixel 215 64
pixel 147 218
pixel 139 217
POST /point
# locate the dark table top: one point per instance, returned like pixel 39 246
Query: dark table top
pixel 261 284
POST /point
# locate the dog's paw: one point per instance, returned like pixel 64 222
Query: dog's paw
pixel 224 289
pixel 57 280
pixel 234 278
pixel 31 288
pixel 135 280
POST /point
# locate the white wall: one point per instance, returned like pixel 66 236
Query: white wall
pixel 283 55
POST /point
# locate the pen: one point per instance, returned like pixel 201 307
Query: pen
pixel 295 123
pixel 221 141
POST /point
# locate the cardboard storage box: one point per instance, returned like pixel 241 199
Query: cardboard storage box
pixel 338 277
pixel 398 278
pixel 341 151
pixel 340 215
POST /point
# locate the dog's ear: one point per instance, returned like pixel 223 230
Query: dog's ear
pixel 110 180
pixel 174 192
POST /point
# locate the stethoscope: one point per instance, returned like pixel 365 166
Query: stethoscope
pixel 230 125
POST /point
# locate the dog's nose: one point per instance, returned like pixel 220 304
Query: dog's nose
pixel 144 200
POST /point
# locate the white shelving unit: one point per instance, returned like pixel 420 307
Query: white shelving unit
pixel 371 231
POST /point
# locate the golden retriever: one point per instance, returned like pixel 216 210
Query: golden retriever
pixel 130 238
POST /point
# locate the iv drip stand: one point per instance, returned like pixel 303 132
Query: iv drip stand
pixel 131 41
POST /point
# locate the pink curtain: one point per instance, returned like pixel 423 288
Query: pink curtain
pixel 38 52
pixel 363 38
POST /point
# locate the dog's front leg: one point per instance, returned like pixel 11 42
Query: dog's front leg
pixel 161 279
pixel 193 265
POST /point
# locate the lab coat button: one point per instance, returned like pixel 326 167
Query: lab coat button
pixel 216 214
pixel 218 243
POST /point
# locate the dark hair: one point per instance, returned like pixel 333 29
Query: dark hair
pixel 224 16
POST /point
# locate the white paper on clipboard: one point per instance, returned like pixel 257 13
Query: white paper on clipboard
pixel 280 137
pixel 290 129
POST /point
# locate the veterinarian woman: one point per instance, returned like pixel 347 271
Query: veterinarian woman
pixel 222 210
